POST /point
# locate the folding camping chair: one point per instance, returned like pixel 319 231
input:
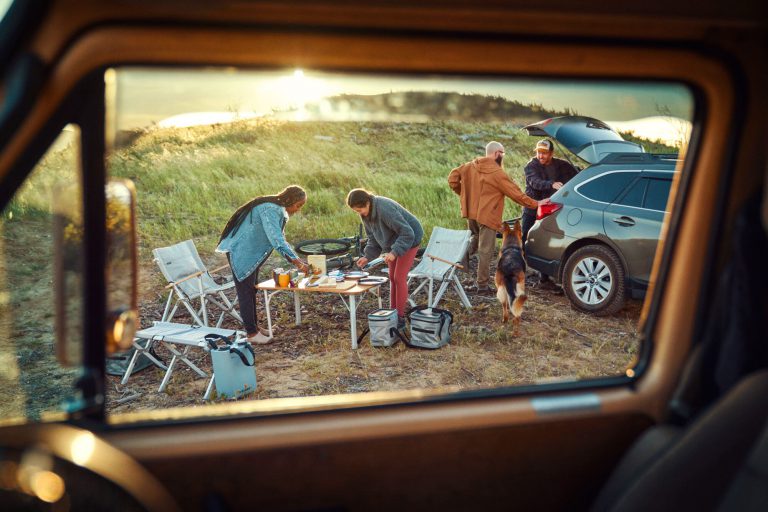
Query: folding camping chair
pixel 174 337
pixel 190 282
pixel 443 255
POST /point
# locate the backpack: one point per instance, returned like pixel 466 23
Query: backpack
pixel 430 327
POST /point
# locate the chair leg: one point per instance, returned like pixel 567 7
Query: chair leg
pixel 460 290
pixel 194 314
pixel 166 316
pixel 208 389
pixel 440 293
pixel 129 370
pixel 423 283
pixel 230 307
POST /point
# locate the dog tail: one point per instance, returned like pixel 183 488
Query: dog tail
pixel 515 286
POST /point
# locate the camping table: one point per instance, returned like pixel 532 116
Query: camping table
pixel 347 290
pixel 170 334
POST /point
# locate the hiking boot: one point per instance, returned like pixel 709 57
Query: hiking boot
pixel 481 290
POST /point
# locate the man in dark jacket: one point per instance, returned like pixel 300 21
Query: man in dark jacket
pixel 544 174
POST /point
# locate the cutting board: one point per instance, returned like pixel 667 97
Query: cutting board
pixel 344 285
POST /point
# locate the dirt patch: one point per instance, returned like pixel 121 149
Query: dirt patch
pixel 553 342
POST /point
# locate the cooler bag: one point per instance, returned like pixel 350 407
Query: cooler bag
pixel 430 327
pixel 382 325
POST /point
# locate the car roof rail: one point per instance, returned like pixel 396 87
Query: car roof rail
pixel 618 158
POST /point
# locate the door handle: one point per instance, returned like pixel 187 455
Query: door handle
pixel 624 221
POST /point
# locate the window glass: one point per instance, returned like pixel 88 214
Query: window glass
pixel 607 187
pixel 635 193
pixel 4 6
pixel 199 143
pixel 33 385
pixel 658 193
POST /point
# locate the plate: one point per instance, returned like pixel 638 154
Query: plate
pixel 356 275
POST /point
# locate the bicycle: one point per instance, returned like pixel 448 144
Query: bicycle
pixel 345 250
pixel 352 245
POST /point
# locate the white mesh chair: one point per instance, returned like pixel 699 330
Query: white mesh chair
pixel 445 251
pixel 191 284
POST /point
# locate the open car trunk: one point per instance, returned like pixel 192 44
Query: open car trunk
pixel 588 138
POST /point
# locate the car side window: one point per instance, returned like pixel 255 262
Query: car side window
pixel 197 143
pixel 607 187
pixel 34 384
pixel 635 194
pixel 657 195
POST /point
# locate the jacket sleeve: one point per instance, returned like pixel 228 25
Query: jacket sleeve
pixel 534 180
pixel 512 191
pixel 454 180
pixel 372 247
pixel 271 222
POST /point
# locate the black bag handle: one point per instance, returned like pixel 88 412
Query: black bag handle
pixel 400 335
pixel 212 339
pixel 233 350
pixel 397 332
pixel 442 312
pixel 362 335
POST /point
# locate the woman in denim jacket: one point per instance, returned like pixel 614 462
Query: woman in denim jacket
pixel 395 234
pixel 255 229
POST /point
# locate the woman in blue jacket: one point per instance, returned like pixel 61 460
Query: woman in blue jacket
pixel 395 234
pixel 255 229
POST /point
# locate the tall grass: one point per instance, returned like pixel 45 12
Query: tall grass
pixel 189 181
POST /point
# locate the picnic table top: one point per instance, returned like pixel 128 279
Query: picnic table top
pixel 346 287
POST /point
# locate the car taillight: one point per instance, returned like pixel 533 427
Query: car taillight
pixel 547 209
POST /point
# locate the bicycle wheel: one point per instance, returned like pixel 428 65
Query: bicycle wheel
pixel 327 246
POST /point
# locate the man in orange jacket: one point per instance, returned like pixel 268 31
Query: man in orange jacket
pixel 482 185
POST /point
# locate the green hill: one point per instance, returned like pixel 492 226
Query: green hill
pixel 431 106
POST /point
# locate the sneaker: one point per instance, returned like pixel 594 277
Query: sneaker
pixel 260 339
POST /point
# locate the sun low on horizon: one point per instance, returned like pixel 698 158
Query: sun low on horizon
pixel 172 97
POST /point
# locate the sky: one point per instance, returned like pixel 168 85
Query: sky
pixel 149 96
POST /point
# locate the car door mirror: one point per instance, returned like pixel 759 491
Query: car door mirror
pixel 122 265
pixel 121 269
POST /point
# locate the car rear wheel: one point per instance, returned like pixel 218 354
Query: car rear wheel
pixel 593 280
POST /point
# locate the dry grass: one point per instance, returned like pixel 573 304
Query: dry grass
pixel 553 342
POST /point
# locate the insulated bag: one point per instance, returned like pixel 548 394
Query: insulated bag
pixel 234 372
pixel 382 325
pixel 430 327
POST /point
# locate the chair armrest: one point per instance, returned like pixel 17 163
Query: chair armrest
pixel 457 265
pixel 219 269
pixel 190 276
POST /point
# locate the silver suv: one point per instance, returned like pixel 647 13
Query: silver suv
pixel 598 235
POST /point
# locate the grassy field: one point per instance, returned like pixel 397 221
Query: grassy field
pixel 189 181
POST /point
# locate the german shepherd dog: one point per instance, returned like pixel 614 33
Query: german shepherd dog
pixel 510 272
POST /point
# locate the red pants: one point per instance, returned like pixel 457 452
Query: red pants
pixel 398 280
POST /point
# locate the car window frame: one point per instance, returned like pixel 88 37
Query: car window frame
pixel 570 385
pixel 603 174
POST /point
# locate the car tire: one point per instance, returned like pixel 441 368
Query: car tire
pixel 593 280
